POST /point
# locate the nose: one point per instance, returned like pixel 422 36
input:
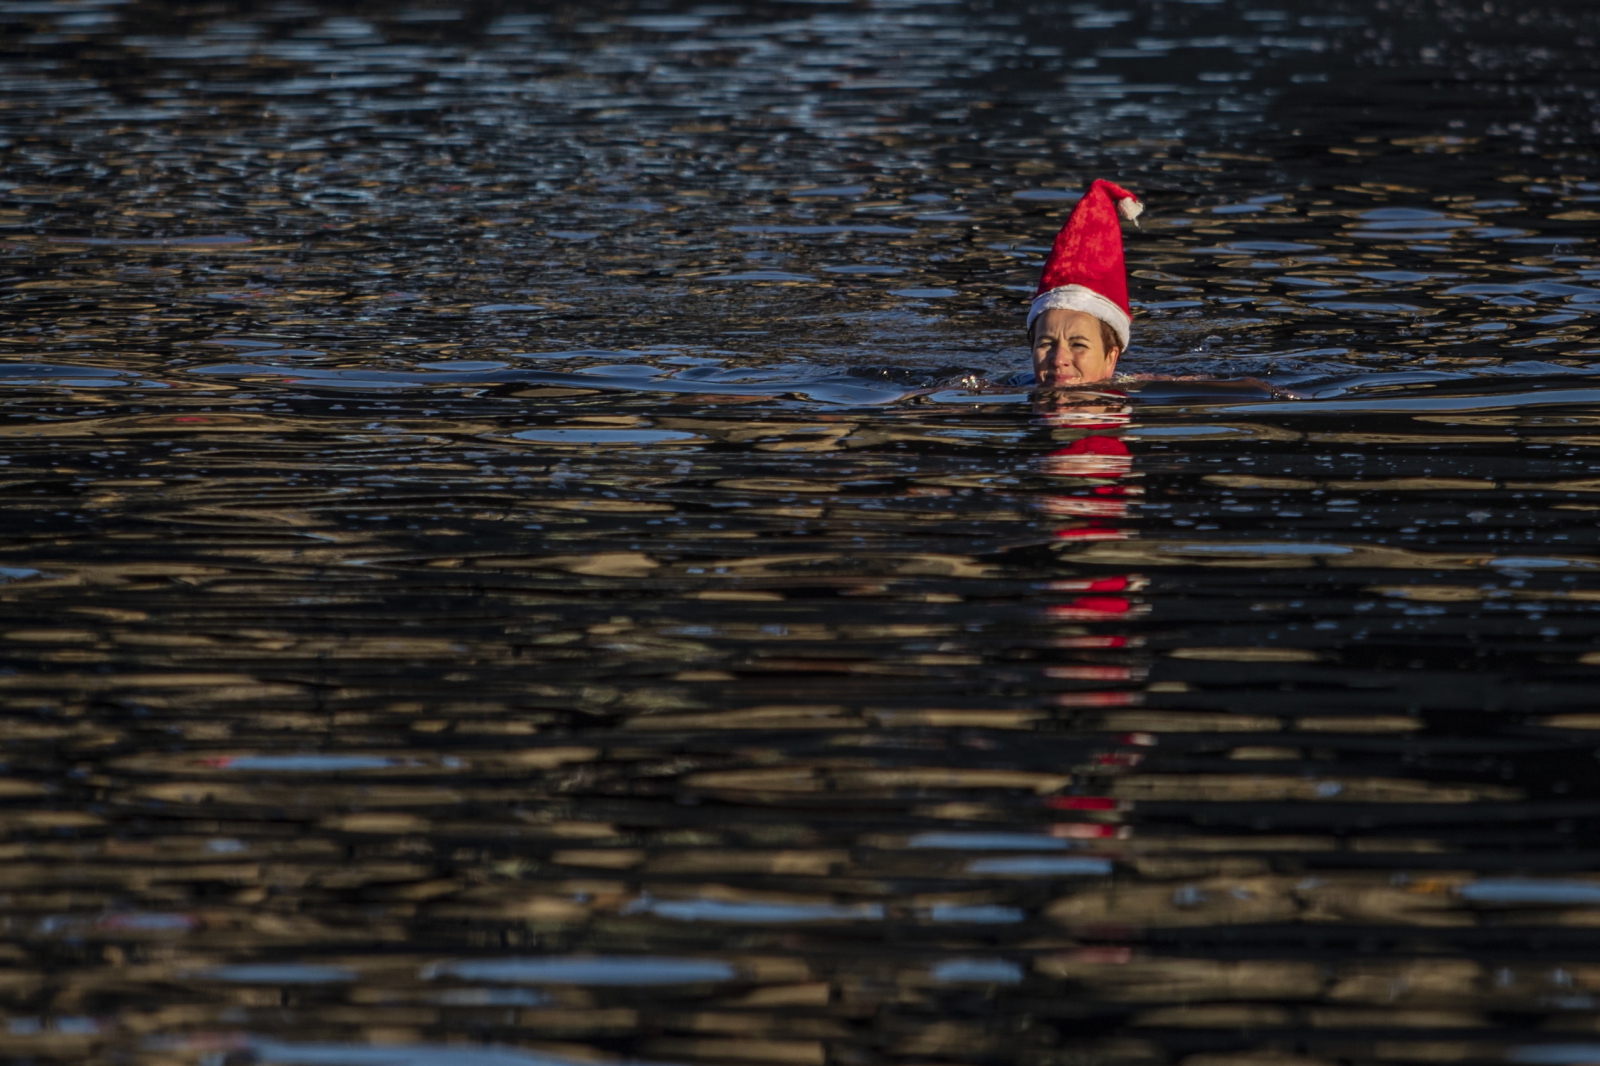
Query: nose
pixel 1063 371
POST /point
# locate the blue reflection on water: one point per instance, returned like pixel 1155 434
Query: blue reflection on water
pixel 615 970
pixel 1529 890
pixel 987 971
pixel 286 1054
pixel 308 763
pixel 715 910
pixel 1042 866
pixel 1556 1054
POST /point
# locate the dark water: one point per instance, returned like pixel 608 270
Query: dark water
pixel 518 551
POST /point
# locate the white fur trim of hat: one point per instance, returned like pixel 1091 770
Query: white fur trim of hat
pixel 1085 299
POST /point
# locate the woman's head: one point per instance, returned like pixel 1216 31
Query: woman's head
pixel 1080 318
pixel 1072 348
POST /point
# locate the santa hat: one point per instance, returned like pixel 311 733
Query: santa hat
pixel 1085 271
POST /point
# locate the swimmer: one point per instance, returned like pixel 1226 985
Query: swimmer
pixel 1080 322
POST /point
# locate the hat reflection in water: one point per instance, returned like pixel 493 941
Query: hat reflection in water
pixel 1080 322
pixel 1100 463
pixel 1095 499
pixel 1105 460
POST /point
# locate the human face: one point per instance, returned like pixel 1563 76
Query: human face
pixel 1068 349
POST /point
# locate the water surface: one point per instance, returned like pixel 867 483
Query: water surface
pixel 520 550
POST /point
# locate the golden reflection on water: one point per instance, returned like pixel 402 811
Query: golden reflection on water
pixel 695 705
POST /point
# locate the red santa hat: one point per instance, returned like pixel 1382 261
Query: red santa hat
pixel 1085 271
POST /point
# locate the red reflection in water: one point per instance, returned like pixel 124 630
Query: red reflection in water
pixel 1085 803
pixel 1091 609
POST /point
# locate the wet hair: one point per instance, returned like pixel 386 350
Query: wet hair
pixel 1108 336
